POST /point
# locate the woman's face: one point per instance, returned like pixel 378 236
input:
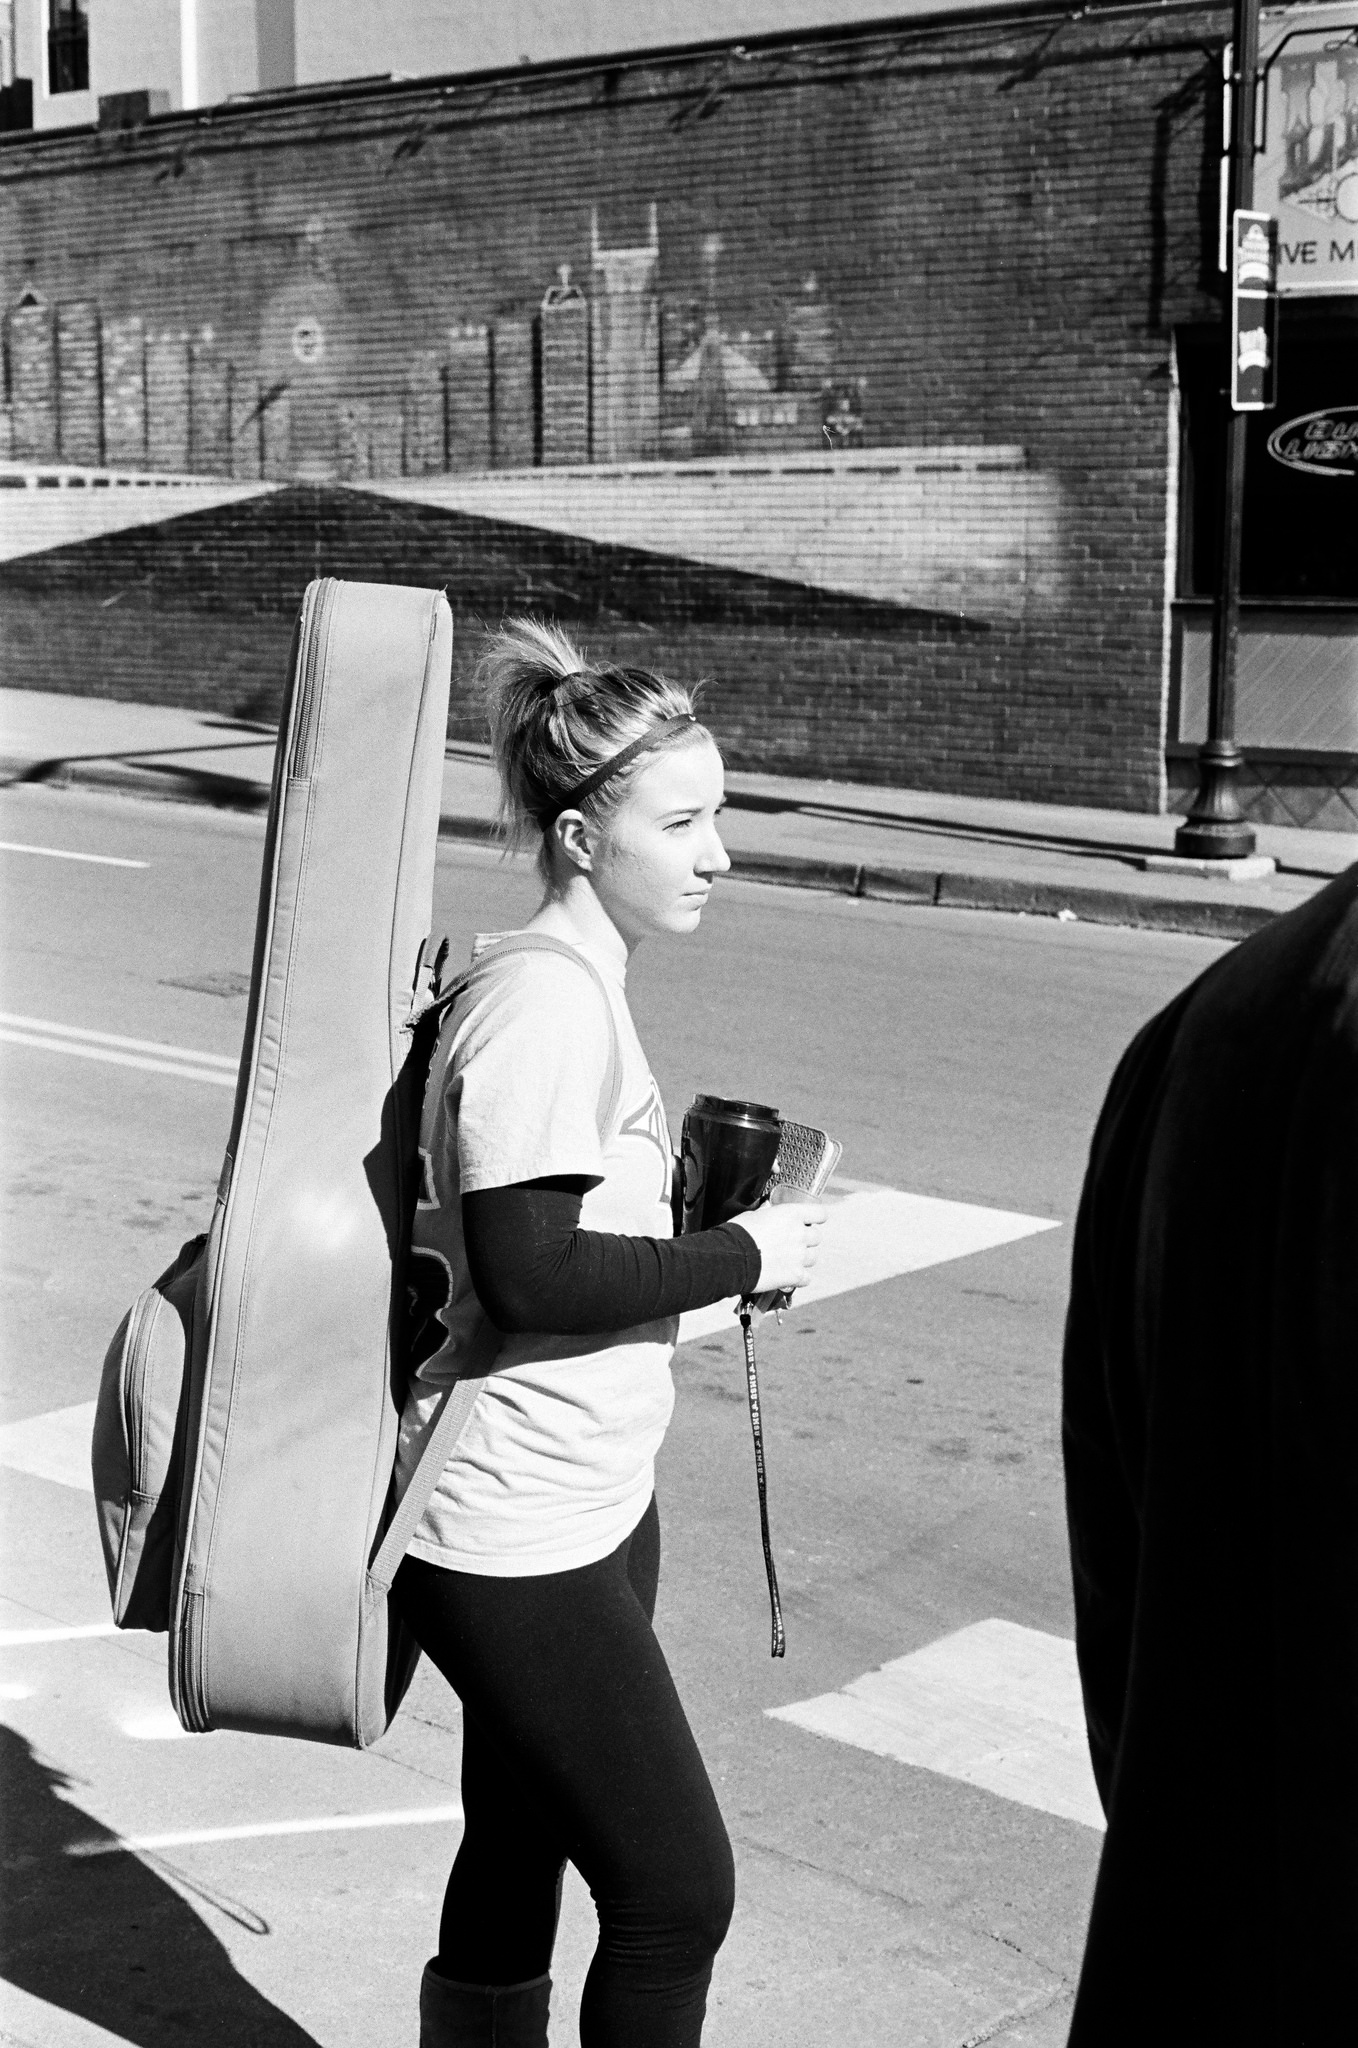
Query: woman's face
pixel 657 853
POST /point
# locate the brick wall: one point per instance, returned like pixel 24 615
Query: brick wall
pixel 954 251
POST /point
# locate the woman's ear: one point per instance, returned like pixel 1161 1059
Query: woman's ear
pixel 574 837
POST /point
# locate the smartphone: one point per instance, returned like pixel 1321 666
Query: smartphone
pixel 806 1160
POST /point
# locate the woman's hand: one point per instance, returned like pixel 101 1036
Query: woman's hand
pixel 788 1235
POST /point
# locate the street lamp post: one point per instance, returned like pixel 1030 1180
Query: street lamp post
pixel 1216 828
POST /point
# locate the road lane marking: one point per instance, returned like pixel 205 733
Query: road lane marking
pixel 995 1705
pixel 53 1446
pixel 324 1824
pixel 103 860
pixel 83 1034
pixel 876 1234
pixel 149 1055
pixel 116 1059
pixel 20 1638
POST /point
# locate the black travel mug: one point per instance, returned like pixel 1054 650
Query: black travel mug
pixel 729 1150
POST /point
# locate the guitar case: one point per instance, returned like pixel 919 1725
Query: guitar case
pixel 293 1391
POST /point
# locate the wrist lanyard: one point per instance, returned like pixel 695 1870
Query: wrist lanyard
pixel 746 1314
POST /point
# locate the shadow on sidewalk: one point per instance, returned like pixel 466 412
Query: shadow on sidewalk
pixel 102 1936
pixel 147 773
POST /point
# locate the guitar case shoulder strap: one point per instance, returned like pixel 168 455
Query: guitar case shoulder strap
pixel 454 1411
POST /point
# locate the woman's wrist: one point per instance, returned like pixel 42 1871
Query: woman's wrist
pixel 753 1257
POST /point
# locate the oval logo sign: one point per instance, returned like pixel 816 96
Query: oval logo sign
pixel 1322 443
pixel 308 341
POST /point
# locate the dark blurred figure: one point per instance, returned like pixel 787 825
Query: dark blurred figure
pixel 1211 1448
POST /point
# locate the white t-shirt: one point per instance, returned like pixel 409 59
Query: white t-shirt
pixel 557 1462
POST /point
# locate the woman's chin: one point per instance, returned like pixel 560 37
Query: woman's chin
pixel 681 917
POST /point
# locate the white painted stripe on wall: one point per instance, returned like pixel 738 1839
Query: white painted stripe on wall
pixel 103 860
pixel 322 1824
pixel 82 504
pixel 995 1705
pixel 878 1234
pixel 959 527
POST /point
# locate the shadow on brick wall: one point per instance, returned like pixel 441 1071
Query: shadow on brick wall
pixel 198 611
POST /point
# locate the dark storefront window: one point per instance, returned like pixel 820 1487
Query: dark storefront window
pixel 1299 529
pixel 68 47
pixel 1297 674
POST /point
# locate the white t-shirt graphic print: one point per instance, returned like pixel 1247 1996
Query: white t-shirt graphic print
pixel 556 1464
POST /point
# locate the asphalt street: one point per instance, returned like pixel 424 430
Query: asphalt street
pixel 906 1875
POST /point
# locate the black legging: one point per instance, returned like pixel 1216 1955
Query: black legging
pixel 575 1746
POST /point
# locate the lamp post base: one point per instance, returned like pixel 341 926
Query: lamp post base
pixel 1254 867
pixel 1216 828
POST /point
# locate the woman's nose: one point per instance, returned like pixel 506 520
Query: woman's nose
pixel 715 860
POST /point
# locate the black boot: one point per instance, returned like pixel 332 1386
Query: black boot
pixel 483 2015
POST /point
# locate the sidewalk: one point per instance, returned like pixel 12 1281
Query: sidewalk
pixel 905 846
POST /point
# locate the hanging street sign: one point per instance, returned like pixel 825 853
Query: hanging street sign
pixel 1306 173
pixel 1254 312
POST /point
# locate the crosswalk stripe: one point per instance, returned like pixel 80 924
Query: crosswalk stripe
pixel 876 1234
pixel 53 1446
pixel 872 1234
pixel 322 1824
pixel 995 1705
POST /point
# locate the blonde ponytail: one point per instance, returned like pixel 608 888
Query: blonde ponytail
pixel 556 718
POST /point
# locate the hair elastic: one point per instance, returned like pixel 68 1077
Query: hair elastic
pixel 574 797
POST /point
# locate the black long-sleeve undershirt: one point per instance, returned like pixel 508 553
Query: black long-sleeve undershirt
pixel 534 1268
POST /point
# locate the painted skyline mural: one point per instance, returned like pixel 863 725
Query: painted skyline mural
pixel 615 414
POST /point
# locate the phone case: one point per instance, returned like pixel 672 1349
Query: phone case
pixel 806 1158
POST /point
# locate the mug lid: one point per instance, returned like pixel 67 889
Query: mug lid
pixel 731 1110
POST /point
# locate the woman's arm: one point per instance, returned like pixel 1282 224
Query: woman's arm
pixel 534 1268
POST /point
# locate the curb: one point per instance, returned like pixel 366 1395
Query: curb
pixel 922 886
pixel 1074 902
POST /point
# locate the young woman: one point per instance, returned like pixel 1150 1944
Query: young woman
pixel 544 1250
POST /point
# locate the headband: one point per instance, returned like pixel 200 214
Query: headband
pixel 575 797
